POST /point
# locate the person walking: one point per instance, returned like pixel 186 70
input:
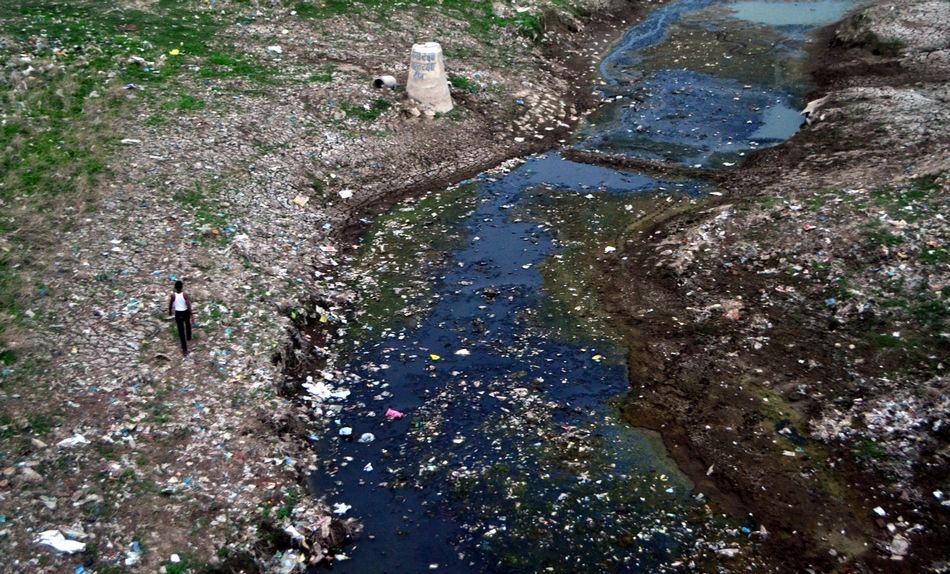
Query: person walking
pixel 180 304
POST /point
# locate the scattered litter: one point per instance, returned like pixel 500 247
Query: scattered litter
pixel 134 555
pixel 291 531
pixel 56 539
pixel 73 441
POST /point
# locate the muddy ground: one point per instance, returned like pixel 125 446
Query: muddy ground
pixel 788 339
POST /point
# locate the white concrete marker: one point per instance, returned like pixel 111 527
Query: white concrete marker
pixel 428 83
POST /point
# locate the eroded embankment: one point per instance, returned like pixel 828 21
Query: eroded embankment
pixel 788 339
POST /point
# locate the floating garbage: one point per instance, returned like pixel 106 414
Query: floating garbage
pixel 366 437
pixel 393 414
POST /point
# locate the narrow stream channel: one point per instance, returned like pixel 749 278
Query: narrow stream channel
pixel 511 455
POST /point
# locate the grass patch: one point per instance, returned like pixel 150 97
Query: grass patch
pixel 457 114
pixel 936 256
pixel 40 424
pixel 7 357
pixel 184 103
pixel 815 202
pixel 464 84
pixel 877 236
pixel 7 428
pixel 931 311
pixel 211 222
pixel 868 450
pixel 221 65
pixel 325 75
pixel 369 112
pixel 529 26
pixel 886 341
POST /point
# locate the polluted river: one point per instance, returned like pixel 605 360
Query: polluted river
pixel 480 428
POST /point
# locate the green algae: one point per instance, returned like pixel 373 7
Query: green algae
pixel 401 254
pixel 745 52
pixel 591 235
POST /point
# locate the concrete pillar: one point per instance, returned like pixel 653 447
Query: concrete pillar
pixel 428 83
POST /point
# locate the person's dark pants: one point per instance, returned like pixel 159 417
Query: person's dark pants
pixel 183 322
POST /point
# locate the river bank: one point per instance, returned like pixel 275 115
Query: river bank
pixel 230 146
pixel 789 339
pixel 446 288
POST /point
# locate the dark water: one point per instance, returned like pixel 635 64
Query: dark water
pixel 512 456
